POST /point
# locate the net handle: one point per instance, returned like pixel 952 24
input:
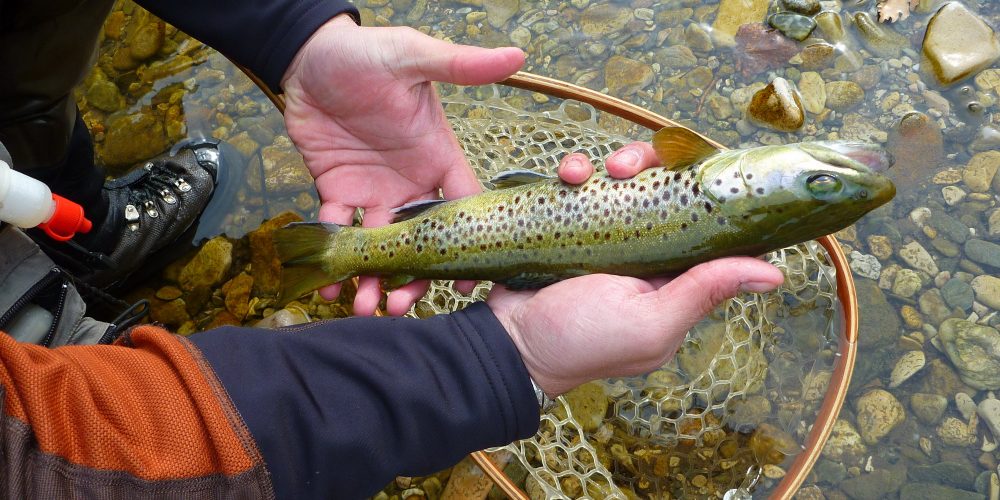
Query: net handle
pixel 836 393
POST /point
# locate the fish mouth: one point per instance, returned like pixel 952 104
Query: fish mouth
pixel 873 156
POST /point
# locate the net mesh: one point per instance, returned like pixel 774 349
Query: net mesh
pixel 716 416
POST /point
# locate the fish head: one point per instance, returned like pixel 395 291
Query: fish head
pixel 827 185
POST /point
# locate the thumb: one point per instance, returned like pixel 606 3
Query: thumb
pixel 436 60
pixel 688 298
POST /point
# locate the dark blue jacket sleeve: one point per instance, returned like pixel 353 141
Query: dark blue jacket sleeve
pixel 339 408
pixel 263 35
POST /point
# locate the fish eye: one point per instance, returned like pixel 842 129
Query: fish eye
pixel 823 185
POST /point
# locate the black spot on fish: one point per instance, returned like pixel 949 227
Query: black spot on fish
pixel 696 189
pixel 631 185
pixel 736 175
pixel 708 207
pixel 443 251
pixel 420 248
pixel 607 212
pixel 722 221
pixel 628 220
pixel 684 200
pixel 760 190
pixel 557 235
pixel 656 185
pixel 541 201
pixel 642 189
pixel 562 192
pixel 694 216
pixel 677 176
pixel 718 182
pixel 607 236
pixel 746 216
pixel 645 203
pixel 687 183
pixel 649 226
pixel 365 258
pixel 684 226
pixel 628 198
pixel 722 199
pixel 749 176
pixel 520 222
pixel 734 190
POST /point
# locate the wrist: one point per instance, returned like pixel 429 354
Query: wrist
pixel 541 382
pixel 340 22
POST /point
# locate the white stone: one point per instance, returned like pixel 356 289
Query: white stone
pixel 987 289
pixel 909 364
pixel 813 90
pixel 920 216
pixel 953 195
pixel 866 266
pixel 989 411
pixel 914 254
pixel 965 405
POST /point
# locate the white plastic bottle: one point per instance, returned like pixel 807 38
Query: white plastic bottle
pixel 26 202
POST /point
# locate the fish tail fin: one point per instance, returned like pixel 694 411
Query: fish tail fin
pixel 304 251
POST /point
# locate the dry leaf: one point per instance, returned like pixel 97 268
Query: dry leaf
pixel 895 10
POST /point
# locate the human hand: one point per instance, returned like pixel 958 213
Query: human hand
pixel 599 325
pixel 361 108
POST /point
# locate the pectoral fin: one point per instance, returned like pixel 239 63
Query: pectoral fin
pixel 413 209
pixel 678 147
pixel 514 178
pixel 530 281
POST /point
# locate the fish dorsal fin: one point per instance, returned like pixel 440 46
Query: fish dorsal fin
pixel 413 209
pixel 678 147
pixel 513 178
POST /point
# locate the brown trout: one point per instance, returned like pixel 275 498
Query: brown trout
pixel 532 230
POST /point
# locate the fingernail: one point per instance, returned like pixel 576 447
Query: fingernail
pixel 757 286
pixel 574 163
pixel 628 157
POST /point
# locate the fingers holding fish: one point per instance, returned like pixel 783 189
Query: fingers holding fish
pixel 631 159
pixel 575 168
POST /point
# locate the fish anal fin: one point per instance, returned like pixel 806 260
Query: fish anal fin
pixel 530 281
pixel 413 209
pixel 513 178
pixel 297 281
pixel 678 147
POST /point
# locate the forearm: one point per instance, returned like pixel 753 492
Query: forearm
pixel 339 408
pixel 263 35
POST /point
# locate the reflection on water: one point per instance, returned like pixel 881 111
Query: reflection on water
pixel 927 265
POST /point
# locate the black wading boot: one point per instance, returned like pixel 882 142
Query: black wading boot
pixel 152 215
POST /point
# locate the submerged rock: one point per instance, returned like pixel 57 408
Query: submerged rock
pixel 981 171
pixel 983 252
pixel 794 26
pixel 929 408
pixel 625 76
pixel 804 7
pixel 928 491
pixel 958 44
pixel 733 15
pixel 974 350
pixel 843 95
pixel 844 443
pixel 813 92
pixel 917 145
pixel 777 106
pixel 878 38
pixel 832 26
pixel 878 412
pixel 759 49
